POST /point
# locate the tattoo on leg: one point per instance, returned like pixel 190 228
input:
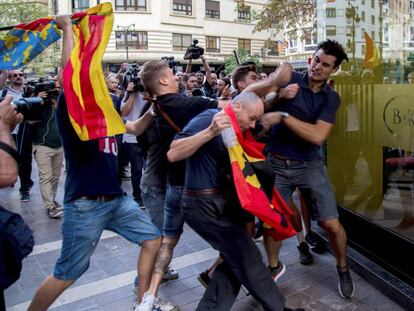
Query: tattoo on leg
pixel 164 258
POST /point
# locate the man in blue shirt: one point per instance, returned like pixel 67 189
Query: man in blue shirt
pixel 293 148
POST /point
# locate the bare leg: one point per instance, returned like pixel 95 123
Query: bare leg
pixel 337 239
pixel 48 292
pixel 145 265
pixel 272 249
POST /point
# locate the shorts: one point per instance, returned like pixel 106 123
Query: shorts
pixel 173 212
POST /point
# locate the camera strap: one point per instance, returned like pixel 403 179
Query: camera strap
pixel 10 150
pixel 163 114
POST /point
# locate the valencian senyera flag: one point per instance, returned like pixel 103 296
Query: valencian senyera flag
pixel 24 42
pixel 255 187
pixel 89 104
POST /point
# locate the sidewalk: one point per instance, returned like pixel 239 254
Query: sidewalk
pixel 107 285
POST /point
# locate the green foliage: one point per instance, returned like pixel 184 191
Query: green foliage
pixel 244 56
pixel 14 12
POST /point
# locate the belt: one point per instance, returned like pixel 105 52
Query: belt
pixel 100 198
pixel 276 156
pixel 191 192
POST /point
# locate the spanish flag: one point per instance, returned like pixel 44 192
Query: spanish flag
pixel 246 159
pixel 371 53
pixel 89 103
pixel 25 41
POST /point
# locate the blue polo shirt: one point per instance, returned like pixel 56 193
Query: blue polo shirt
pixel 307 106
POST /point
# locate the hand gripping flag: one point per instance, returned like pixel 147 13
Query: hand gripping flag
pixel 25 41
pixel 89 104
pixel 246 157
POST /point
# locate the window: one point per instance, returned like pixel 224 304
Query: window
pixel 373 35
pixel 330 12
pixel 373 4
pixel 244 15
pixel 80 5
pixel 212 9
pixel 363 16
pixel 135 39
pixel 130 5
pixel 183 7
pixel 372 19
pixel 244 44
pixel 213 44
pixel 180 41
pixel 331 30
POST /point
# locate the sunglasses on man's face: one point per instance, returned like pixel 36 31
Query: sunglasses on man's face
pixel 15 75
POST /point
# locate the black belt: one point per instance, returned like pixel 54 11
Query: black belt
pixel 191 192
pixel 100 198
pixel 286 160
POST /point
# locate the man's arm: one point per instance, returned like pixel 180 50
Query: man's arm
pixel 8 120
pixel 189 65
pixel 207 68
pixel 3 77
pixel 183 148
pixel 65 24
pixel 138 126
pixel 127 106
pixel 313 133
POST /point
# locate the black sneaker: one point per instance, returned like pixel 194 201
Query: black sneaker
pixel 296 309
pixel 346 286
pixel 305 256
pixel 24 196
pixel 315 243
pixel 278 271
pixel 204 278
pixel 170 274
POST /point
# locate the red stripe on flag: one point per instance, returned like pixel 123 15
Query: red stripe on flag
pixel 37 25
pixel 75 108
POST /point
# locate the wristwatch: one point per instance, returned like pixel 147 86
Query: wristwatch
pixel 285 114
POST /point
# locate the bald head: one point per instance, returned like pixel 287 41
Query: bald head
pixel 248 108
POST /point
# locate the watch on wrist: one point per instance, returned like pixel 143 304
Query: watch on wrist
pixel 285 114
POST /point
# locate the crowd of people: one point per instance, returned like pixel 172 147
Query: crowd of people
pixel 180 172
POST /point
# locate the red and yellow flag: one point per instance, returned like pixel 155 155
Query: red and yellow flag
pixel 246 158
pixel 89 104
pixel 371 52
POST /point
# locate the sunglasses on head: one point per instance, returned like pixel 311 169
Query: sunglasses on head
pixel 17 75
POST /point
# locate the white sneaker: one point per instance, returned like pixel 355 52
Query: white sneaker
pixel 163 305
pixel 147 303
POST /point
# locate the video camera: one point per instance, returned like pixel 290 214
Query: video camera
pixel 171 62
pixel 132 75
pixel 193 51
pixel 43 85
pixel 31 107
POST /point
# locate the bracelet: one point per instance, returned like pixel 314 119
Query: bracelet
pixel 11 151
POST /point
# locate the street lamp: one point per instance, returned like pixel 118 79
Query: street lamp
pixel 125 29
pixel 351 13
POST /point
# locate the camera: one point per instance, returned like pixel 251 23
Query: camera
pixel 132 75
pixel 197 92
pixel 193 51
pixel 31 107
pixel 33 88
pixel 171 62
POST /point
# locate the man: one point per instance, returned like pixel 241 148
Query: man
pixel 190 83
pixel 243 76
pixel 209 86
pixel 200 77
pixel 48 153
pixel 293 148
pixel 212 209
pixel 22 136
pixel 93 202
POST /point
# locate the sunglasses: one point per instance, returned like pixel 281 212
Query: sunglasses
pixel 17 75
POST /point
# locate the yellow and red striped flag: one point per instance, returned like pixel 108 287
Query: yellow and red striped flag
pixel 256 197
pixel 89 104
pixel 371 53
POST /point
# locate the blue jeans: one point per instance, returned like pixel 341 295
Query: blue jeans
pixel 312 180
pixel 154 200
pixel 173 213
pixel 84 221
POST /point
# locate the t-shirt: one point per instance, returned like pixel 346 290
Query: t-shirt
pixel 91 165
pixel 181 110
pixel 209 167
pixel 133 115
pixel 309 107
pixel 46 132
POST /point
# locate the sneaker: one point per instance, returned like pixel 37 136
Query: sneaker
pixel 147 303
pixel 162 304
pixel 278 271
pixel 204 278
pixel 296 309
pixel 170 274
pixel 315 243
pixel 24 196
pixel 55 213
pixel 346 286
pixel 305 256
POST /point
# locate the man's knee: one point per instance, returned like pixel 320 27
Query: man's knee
pixel 332 226
pixel 151 245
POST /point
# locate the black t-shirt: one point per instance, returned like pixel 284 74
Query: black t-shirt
pixel 91 165
pixel 209 167
pixel 309 107
pixel 181 110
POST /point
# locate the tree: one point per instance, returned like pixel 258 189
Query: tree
pixel 244 56
pixel 279 15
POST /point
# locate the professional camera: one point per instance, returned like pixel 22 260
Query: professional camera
pixel 132 75
pixel 197 92
pixel 31 107
pixel 193 51
pixel 33 88
pixel 171 62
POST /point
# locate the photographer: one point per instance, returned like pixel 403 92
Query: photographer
pixel 47 149
pixel 131 109
pixel 190 84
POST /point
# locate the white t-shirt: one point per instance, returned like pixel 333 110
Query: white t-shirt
pixel 133 115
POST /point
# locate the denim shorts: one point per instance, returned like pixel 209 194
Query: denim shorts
pixel 173 212
pixel 154 200
pixel 311 178
pixel 84 221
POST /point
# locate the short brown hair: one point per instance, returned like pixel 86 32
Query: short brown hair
pixel 150 75
pixel 240 73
